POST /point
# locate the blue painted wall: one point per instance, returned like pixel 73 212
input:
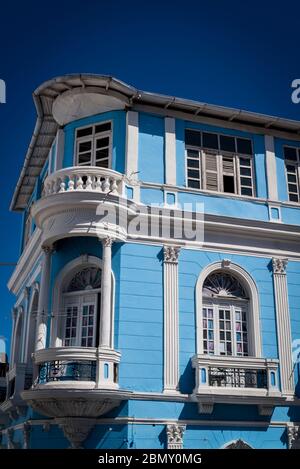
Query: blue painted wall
pixel 151 148
pixel 140 321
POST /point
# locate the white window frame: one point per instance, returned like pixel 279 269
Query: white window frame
pixel 233 305
pixel 80 302
pixel 92 138
pixel 219 154
pixel 254 327
pixel 296 165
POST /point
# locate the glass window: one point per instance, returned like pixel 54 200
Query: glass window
pixel 93 145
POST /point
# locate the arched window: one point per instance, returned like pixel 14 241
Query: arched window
pixel 31 332
pixel 225 310
pixel 81 306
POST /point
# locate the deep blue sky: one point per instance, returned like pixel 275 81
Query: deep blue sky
pixel 232 53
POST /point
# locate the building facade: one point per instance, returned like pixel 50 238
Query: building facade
pixel 157 289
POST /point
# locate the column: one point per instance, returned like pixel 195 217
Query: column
pixel 43 304
pixel 170 151
pixel 271 168
pixel 283 326
pixel 25 324
pixel 106 319
pixel 171 335
pixel 132 146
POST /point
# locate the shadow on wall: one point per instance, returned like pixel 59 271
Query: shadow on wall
pixel 187 379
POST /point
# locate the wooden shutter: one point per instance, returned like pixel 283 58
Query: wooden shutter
pixel 211 171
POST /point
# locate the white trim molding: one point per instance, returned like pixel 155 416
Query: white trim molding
pixel 175 434
pixel 171 327
pixel 271 168
pixel 283 326
pixel 254 309
pixel 170 151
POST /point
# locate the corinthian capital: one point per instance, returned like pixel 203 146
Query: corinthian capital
pixel 171 254
pixel 175 436
pixel 279 265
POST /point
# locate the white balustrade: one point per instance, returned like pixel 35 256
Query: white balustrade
pixel 84 178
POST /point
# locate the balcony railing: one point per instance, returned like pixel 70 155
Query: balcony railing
pixel 58 370
pixel 237 378
pixel 226 375
pixel 89 367
pixel 84 178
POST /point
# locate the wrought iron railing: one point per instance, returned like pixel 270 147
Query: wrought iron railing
pixel 67 371
pixel 238 378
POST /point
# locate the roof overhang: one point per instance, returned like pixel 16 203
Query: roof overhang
pixel 53 97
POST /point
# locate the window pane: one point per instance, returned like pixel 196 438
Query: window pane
pixel 290 153
pixel 292 178
pixel 293 198
pixel 102 142
pixel 193 153
pixel 227 143
pixel 193 163
pixel 246 182
pixel 100 154
pixel 85 146
pixel 210 140
pixel 103 127
pixel 84 132
pixel 193 137
pixel 244 146
pixel 245 171
pixel 245 162
pixel 246 191
pixel 293 188
pixel 193 173
pixel 84 158
pixel 193 184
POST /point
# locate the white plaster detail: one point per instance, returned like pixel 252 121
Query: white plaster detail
pixel 76 430
pixel 43 305
pixel 175 436
pixel 171 320
pixel 170 151
pixel 283 325
pixel 271 168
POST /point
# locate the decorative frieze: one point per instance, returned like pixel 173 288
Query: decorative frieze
pixel 293 434
pixel 175 436
pixel 283 325
pixel 171 334
pixel 279 266
pixel 171 254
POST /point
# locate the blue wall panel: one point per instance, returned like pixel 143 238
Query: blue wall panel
pixel 140 322
pixel 151 148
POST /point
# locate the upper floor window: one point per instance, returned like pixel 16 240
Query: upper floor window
pixel 225 310
pixel 219 163
pixel 292 167
pixel 93 145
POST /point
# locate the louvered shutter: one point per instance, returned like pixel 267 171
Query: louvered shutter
pixel 211 171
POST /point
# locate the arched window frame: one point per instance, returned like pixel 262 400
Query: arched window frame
pixel 64 276
pixel 237 444
pixel 254 311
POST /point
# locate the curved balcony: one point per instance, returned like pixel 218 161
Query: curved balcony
pixel 82 200
pixel 75 385
pixel 84 178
